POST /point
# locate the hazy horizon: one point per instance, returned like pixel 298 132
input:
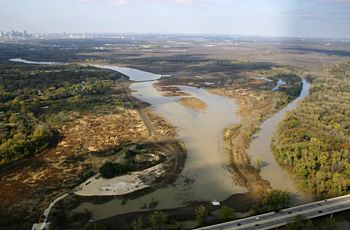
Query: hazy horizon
pixel 270 18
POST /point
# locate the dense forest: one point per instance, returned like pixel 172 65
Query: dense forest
pixel 36 99
pixel 313 141
pixel 291 89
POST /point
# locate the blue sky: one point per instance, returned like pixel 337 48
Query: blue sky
pixel 307 18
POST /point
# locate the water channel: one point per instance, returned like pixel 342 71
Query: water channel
pixel 261 149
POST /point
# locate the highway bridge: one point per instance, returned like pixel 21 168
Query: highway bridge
pixel 282 217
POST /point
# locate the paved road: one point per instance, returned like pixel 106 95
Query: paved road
pixel 275 219
pixel 146 120
pixel 44 224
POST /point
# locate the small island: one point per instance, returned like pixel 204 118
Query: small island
pixel 193 103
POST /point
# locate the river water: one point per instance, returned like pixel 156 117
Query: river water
pixel 205 176
pixel 20 60
pixel 261 149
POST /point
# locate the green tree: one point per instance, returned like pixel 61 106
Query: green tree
pixel 175 225
pixel 299 223
pixel 258 164
pixel 137 224
pixel 273 200
pixel 201 214
pixel 227 214
pixel 98 227
pixel 110 170
pixel 157 219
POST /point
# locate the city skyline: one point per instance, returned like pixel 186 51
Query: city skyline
pixel 289 18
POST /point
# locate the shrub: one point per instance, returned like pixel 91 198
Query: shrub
pixel 227 214
pixel 201 213
pixel 272 201
pixel 110 170
pixel 299 223
pixel 157 219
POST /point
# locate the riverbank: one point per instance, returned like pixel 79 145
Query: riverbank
pixel 185 216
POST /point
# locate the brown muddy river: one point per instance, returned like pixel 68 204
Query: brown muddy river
pixel 260 148
pixel 205 176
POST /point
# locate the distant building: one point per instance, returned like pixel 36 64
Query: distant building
pixel 14 34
